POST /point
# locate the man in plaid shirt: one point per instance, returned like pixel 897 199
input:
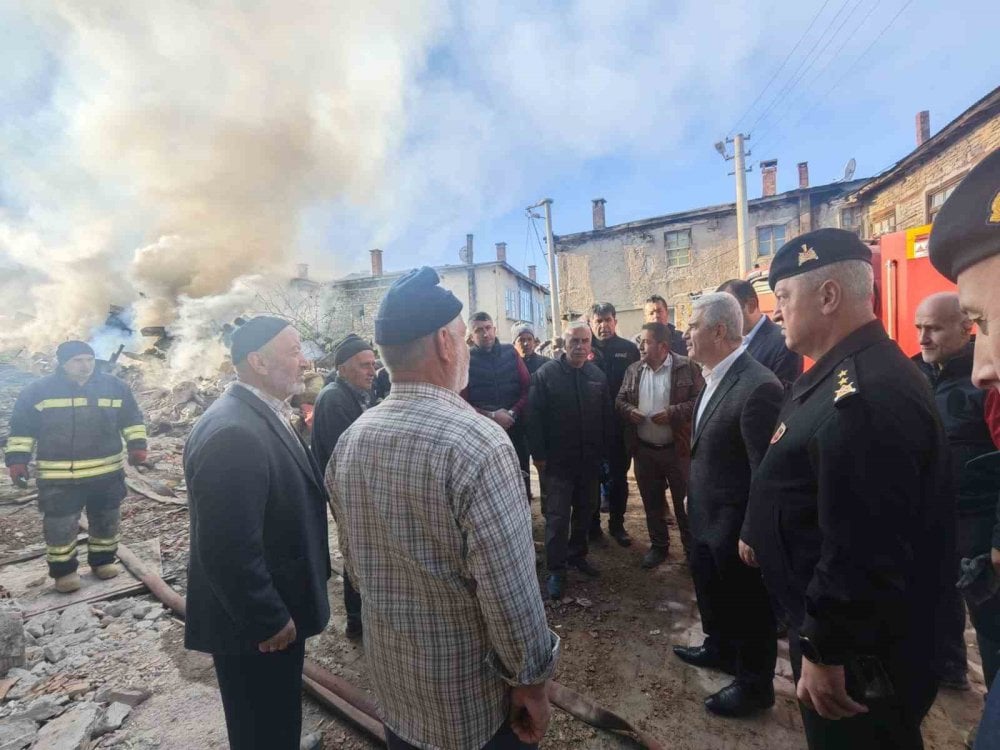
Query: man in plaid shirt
pixel 435 529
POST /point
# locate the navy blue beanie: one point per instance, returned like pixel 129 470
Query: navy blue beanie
pixel 413 307
pixel 69 349
pixel 253 334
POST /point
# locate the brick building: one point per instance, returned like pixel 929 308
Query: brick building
pixel 494 286
pixel 685 253
pixel 910 193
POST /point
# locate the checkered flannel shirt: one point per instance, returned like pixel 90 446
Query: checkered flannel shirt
pixel 435 530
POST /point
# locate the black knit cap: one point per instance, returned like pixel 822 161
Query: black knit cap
pixel 967 228
pixel 413 307
pixel 254 334
pixel 69 349
pixel 815 250
pixel 350 345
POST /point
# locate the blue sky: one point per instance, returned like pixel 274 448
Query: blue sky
pixel 237 138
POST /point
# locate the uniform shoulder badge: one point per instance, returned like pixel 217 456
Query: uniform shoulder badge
pixel 845 381
pixel 995 210
pixel 807 254
pixel 778 433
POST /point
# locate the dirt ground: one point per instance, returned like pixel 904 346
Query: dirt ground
pixel 616 632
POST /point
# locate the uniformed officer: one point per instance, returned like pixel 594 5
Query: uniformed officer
pixel 850 512
pixel 965 247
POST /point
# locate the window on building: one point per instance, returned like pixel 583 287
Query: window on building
pixel 884 224
pixel 678 245
pixel 527 308
pixel 510 303
pixel 851 218
pixel 770 238
pixel 936 198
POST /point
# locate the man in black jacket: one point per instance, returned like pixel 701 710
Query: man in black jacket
pixel 569 417
pixel 341 402
pixel 655 310
pixel 945 358
pixel 259 558
pixel 851 514
pixel 763 338
pixel 734 419
pixel 613 355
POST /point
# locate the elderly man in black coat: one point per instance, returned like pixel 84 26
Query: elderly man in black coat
pixel 733 422
pixel 259 551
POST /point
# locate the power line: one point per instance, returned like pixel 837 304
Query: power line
pixel 780 68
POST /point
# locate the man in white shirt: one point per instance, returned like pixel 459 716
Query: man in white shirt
pixel 656 401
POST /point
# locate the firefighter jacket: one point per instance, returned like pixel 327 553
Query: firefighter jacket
pixel 80 432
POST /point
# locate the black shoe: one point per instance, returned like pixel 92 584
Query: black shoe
pixel 354 630
pixel 958 681
pixel 596 536
pixel 655 556
pixel 738 700
pixel 585 567
pixel 556 585
pixel 699 656
pixel 621 536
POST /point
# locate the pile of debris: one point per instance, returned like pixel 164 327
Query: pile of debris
pixel 173 411
pixel 53 695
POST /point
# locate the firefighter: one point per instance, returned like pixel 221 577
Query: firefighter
pixel 82 423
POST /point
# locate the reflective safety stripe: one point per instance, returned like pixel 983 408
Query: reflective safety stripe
pixel 103 545
pixel 110 403
pixel 20 444
pixel 135 432
pixel 72 471
pixel 60 403
pixel 60 554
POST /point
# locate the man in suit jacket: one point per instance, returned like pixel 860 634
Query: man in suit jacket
pixel 259 551
pixel 656 402
pixel 734 420
pixel 764 339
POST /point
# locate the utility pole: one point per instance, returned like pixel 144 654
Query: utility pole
pixel 553 279
pixel 742 212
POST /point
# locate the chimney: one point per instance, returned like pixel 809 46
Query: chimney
pixel 302 271
pixel 376 262
pixel 769 175
pixel 533 273
pixel 599 213
pixel 468 249
pixel 923 127
pixel 803 175
pixel 502 252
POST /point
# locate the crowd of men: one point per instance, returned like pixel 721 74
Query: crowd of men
pixel 855 503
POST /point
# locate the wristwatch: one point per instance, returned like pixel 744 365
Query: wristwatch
pixel 811 652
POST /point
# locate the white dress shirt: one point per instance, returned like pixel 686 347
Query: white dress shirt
pixel 753 331
pixel 712 379
pixel 654 396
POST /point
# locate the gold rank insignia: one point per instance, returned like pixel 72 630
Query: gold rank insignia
pixel 995 210
pixel 778 433
pixel 844 386
pixel 807 254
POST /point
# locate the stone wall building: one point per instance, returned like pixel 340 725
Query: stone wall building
pixel 685 253
pixel 910 193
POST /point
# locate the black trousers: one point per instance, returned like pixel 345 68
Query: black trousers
pixel 736 612
pixel 617 484
pixel 570 502
pixel 262 698
pixel 519 437
pixel 504 739
pixel 891 725
pixel 352 600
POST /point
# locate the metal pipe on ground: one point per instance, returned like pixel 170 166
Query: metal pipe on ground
pixel 343 698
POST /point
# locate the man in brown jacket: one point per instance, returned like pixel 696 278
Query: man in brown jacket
pixel 656 401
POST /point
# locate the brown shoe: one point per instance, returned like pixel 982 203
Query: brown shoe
pixel 68 583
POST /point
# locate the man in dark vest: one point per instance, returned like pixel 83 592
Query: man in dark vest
pixel 498 385
pixel 341 402
pixel 260 558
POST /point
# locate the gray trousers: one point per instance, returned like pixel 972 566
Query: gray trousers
pixel 656 470
pixel 570 502
pixel 61 505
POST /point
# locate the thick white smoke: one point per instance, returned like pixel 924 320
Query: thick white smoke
pixel 161 151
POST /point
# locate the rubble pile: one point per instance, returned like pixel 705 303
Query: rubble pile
pixel 81 677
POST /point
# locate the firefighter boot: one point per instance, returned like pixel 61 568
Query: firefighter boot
pixel 109 570
pixel 68 583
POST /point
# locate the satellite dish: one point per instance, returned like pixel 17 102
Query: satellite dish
pixel 849 169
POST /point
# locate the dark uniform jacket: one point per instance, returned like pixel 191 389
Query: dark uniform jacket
pixel 960 406
pixel 851 514
pixel 337 406
pixel 728 445
pixel 569 418
pixel 80 430
pixel 259 549
pixel 614 356
pixel 686 382
pixel 768 347
pixel 677 343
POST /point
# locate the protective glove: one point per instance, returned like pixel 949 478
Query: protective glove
pixel 137 457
